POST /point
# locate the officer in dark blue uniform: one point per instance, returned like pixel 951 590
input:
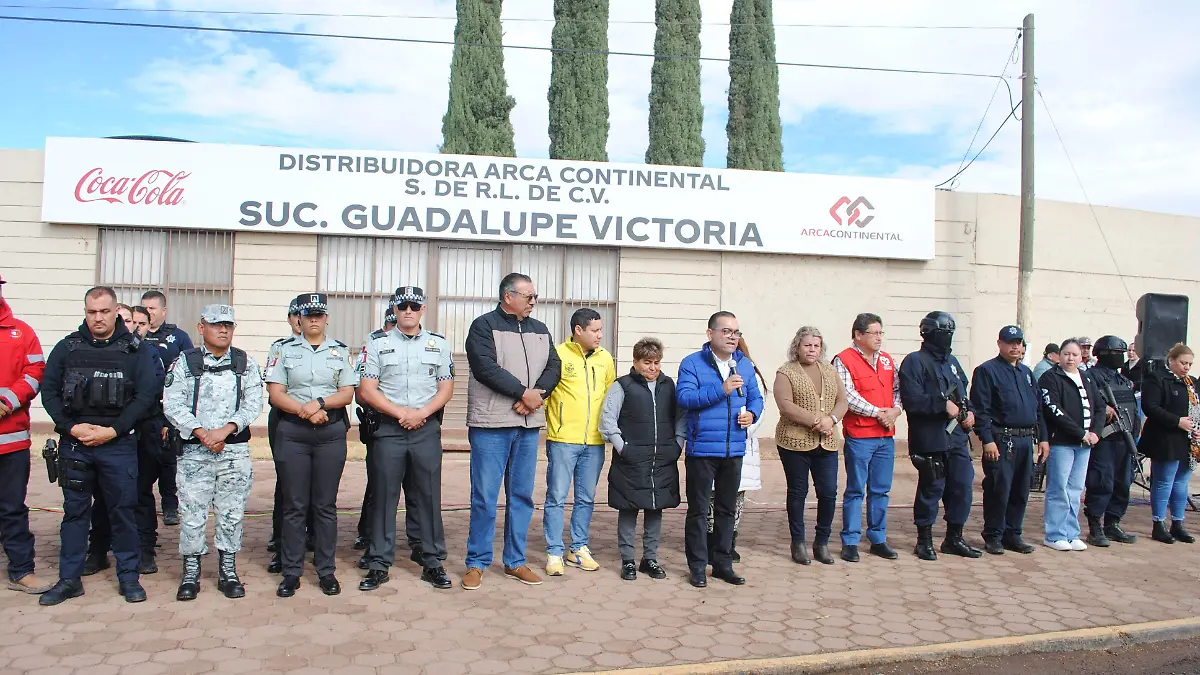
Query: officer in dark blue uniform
pixel 933 392
pixel 170 341
pixel 1008 409
pixel 1110 469
pixel 98 384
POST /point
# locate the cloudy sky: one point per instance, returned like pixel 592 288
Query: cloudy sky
pixel 1121 79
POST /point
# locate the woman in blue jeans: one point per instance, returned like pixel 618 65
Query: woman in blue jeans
pixel 1171 439
pixel 1074 412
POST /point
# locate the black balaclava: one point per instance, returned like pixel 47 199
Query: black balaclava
pixel 1111 360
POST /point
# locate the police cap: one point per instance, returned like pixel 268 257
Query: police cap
pixel 413 294
pixel 293 307
pixel 214 314
pixel 1012 334
pixel 312 304
pixel 390 317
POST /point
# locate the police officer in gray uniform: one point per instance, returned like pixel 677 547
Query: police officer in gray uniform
pixel 408 376
pixel 311 383
pixel 368 420
pixel 276 565
pixel 212 395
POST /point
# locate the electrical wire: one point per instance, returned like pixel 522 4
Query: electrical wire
pixel 339 15
pixel 428 41
pixel 1012 114
pixel 1086 199
pixel 1010 60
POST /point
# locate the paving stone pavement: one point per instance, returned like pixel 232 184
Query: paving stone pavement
pixel 583 620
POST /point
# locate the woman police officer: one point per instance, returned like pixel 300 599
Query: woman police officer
pixel 311 382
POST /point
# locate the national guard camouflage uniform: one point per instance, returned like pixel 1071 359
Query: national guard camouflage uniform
pixel 222 479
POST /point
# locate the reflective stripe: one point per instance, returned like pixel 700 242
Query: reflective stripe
pixel 33 383
pixel 9 397
pixel 14 437
pixel 35 358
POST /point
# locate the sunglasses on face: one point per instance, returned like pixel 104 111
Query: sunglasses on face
pixel 409 306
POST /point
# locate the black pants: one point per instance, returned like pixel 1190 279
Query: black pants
pixel 412 460
pixel 14 515
pixel 1006 485
pixel 1109 474
pixel 166 479
pixel 412 526
pixel 822 465
pixel 311 460
pixel 150 467
pixel 955 491
pixel 112 468
pixel 712 480
pixel 273 418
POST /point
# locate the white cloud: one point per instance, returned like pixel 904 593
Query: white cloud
pixel 1120 79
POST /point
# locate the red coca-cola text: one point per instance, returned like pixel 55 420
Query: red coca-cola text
pixel 156 187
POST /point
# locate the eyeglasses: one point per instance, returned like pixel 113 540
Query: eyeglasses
pixel 731 332
pixel 874 333
pixel 531 297
pixel 409 306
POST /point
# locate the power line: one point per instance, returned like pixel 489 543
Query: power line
pixel 427 41
pixel 1012 114
pixel 1008 61
pixel 1086 199
pixel 339 15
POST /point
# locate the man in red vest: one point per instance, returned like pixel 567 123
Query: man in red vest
pixel 873 391
pixel 21 368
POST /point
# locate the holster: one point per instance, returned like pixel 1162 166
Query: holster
pixel 929 467
pixel 50 454
pixel 368 423
pixel 77 475
pixel 174 442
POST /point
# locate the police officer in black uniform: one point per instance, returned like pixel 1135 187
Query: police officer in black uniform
pixel 1008 409
pixel 170 341
pixel 1110 469
pixel 98 384
pixel 933 392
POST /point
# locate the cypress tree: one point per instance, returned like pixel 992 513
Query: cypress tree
pixel 477 115
pixel 579 82
pixel 676 110
pixel 754 131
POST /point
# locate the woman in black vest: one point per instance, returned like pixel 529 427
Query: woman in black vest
pixel 644 425
pixel 1171 439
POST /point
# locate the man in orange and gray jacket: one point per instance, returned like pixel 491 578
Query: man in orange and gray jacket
pixel 574 446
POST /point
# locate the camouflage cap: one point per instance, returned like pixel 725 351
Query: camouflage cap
pixel 217 314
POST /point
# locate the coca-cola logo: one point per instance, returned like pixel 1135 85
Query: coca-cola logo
pixel 156 187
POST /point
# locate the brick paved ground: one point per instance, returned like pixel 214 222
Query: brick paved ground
pixel 583 621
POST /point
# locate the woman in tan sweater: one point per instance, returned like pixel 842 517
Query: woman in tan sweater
pixel 812 401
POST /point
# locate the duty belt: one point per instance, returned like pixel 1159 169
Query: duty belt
pixel 1015 432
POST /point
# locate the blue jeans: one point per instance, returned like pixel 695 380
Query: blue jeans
pixel 1169 487
pixel 869 466
pixel 1066 473
pixel 508 457
pixel 567 464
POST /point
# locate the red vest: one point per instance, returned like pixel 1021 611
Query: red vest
pixel 875 386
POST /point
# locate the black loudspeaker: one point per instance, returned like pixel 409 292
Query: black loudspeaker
pixel 1162 323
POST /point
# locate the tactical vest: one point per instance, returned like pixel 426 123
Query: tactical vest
pixel 1122 390
pixel 238 363
pixel 98 381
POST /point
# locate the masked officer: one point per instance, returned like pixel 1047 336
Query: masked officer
pixel 213 394
pixel 933 392
pixel 368 422
pixel 1008 409
pixel 98 384
pixel 1110 469
pixel 408 376
pixel 276 565
pixel 170 341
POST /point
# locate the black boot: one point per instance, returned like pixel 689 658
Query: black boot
pixel 94 562
pixel 227 576
pixel 189 583
pixel 1096 536
pixel 1112 530
pixel 276 564
pixel 147 565
pixel 924 549
pixel 1181 534
pixel 821 554
pixel 1160 533
pixel 954 544
pixel 800 553
pixel 64 590
pixel 733 549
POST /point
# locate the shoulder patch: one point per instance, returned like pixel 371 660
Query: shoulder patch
pixel 381 333
pixel 340 344
pixel 288 340
pixel 280 341
pixel 437 335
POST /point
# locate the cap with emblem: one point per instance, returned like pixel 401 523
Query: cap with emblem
pixel 390 317
pixel 1012 334
pixel 414 294
pixel 1084 341
pixel 293 307
pixel 312 304
pixel 217 314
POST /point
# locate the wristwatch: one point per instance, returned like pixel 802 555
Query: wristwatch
pixel 321 401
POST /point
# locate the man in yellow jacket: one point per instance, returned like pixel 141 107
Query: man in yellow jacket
pixel 575 448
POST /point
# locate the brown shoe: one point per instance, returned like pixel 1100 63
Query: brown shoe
pixel 472 579
pixel 30 584
pixel 524 575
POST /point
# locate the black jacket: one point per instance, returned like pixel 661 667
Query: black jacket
pixel 1164 400
pixel 924 400
pixel 507 356
pixel 645 474
pixel 1063 407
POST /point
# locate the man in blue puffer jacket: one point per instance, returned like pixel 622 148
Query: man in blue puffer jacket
pixel 717 388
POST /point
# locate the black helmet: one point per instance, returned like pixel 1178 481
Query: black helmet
pixel 1110 344
pixel 937 322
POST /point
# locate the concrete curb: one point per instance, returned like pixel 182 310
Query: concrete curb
pixel 1063 641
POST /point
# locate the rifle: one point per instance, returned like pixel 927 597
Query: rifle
pixel 50 454
pixel 953 395
pixel 1122 423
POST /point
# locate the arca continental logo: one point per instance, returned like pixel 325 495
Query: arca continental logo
pixel 156 187
pixel 852 211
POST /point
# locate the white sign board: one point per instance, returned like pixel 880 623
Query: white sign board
pixel 530 201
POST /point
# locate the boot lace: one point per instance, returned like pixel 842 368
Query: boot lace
pixel 191 569
pixel 229 567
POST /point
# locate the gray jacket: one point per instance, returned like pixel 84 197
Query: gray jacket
pixel 508 356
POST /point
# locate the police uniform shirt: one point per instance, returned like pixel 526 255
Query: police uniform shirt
pixel 1004 395
pixel 217 404
pixel 408 368
pixel 308 373
pixel 170 341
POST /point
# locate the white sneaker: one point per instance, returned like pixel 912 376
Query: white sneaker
pixel 1077 545
pixel 1059 545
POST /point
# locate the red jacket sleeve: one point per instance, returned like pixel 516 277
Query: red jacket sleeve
pixel 30 366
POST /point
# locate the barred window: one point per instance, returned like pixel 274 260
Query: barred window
pixel 360 274
pixel 192 269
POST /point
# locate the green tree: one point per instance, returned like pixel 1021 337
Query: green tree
pixel 579 81
pixel 676 110
pixel 477 115
pixel 754 131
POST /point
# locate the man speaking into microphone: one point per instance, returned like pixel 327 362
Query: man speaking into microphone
pixel 718 389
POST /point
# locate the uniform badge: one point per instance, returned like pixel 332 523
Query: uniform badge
pixel 334 353
pixel 170 378
pixel 170 338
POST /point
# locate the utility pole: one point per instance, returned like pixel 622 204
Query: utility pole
pixel 1024 286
